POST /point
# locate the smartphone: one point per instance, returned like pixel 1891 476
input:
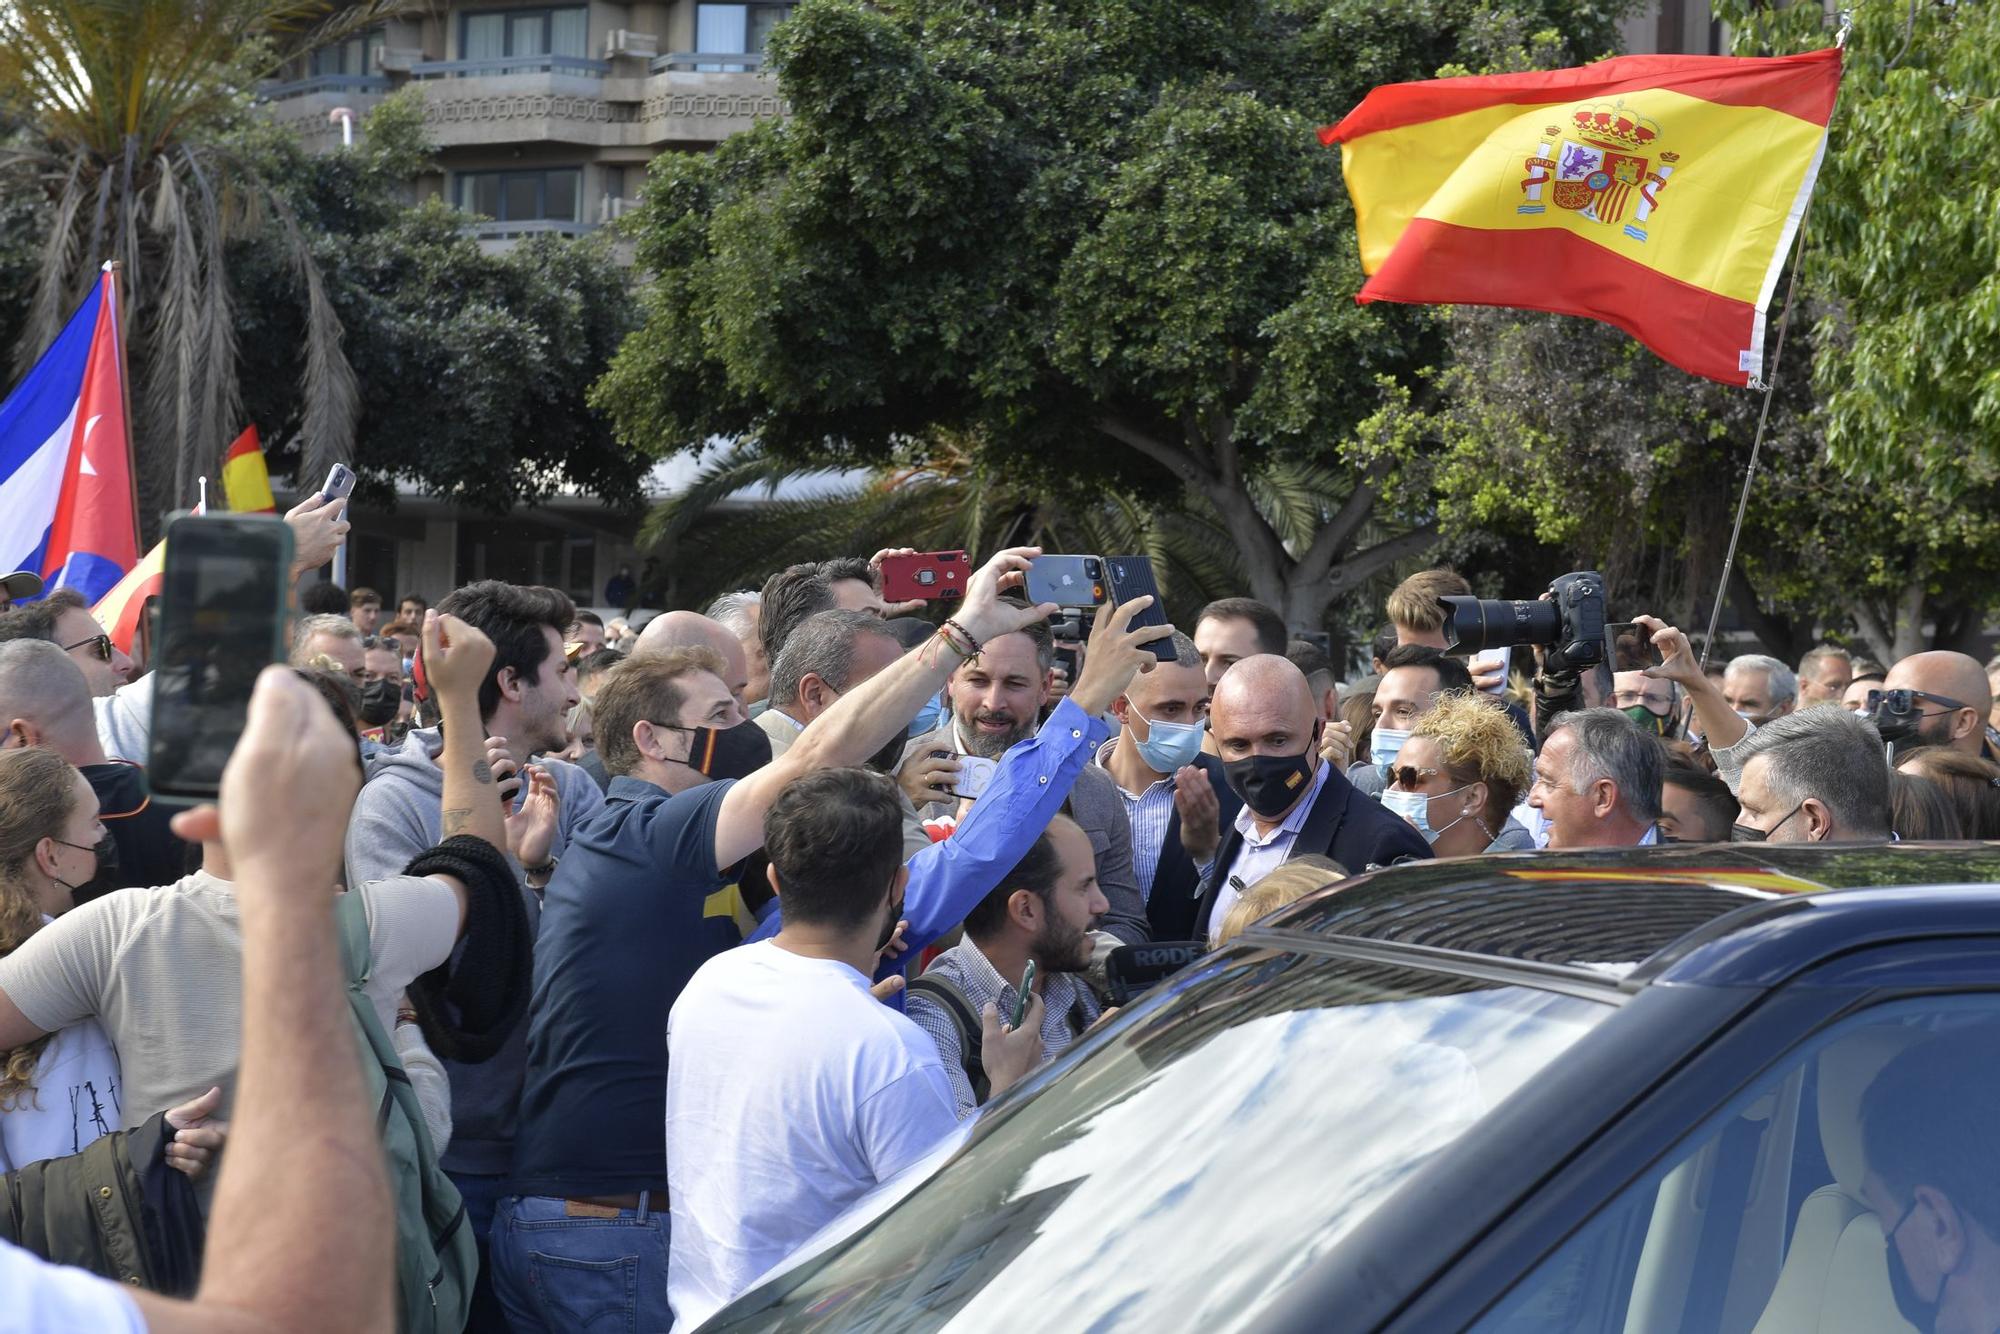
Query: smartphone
pixel 1021 996
pixel 339 484
pixel 222 621
pixel 1493 657
pixel 1132 577
pixel 1067 581
pixel 934 576
pixel 974 773
pixel 1629 647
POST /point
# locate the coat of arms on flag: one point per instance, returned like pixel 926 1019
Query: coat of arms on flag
pixel 1596 163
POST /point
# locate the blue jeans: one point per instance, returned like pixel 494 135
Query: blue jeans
pixel 481 1194
pixel 557 1274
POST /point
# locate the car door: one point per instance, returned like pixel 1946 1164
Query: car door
pixel 1732 1199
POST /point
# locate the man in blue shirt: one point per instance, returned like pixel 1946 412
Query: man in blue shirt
pixel 621 929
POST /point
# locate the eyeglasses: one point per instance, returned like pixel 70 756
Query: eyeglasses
pixel 1408 776
pixel 99 644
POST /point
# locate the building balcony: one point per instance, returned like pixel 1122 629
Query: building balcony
pixel 336 85
pixel 301 105
pixel 575 66
pixel 707 62
pixel 474 109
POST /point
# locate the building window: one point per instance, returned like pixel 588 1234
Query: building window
pixel 735 30
pixel 521 196
pixel 360 54
pixel 502 34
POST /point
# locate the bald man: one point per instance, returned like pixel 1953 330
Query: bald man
pixel 1266 726
pixel 1953 701
pixel 688 629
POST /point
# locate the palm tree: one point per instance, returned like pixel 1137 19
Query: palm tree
pixel 944 498
pixel 124 109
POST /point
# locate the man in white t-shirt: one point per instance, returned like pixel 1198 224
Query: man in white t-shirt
pixel 791 1090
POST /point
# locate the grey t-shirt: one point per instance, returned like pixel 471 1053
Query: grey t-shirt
pixel 162 971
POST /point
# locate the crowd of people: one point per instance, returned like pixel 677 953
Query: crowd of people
pixel 662 944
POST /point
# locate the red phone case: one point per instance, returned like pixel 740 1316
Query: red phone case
pixel 934 576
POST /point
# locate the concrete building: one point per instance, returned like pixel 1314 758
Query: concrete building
pixel 545 115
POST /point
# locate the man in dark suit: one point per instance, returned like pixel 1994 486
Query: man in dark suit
pixel 1176 799
pixel 1266 728
pixel 996 700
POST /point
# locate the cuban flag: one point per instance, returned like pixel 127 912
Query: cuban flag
pixel 67 509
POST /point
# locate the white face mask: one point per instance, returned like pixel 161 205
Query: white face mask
pixel 1416 808
pixel 1386 743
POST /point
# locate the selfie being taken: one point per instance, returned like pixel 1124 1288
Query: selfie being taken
pixel 1289 666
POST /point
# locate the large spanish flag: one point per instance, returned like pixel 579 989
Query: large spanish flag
pixel 1656 193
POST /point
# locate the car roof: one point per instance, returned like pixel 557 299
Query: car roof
pixel 1623 917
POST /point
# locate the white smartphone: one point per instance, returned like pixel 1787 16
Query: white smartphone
pixel 339 483
pixel 1487 661
pixel 974 773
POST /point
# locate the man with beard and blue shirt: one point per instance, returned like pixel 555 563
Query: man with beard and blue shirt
pixel 622 931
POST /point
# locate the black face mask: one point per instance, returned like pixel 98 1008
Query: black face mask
pixel 380 701
pixel 725 752
pixel 1920 1313
pixel 1270 784
pixel 102 880
pixel 1743 833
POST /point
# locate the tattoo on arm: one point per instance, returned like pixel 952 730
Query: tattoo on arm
pixel 482 772
pixel 456 822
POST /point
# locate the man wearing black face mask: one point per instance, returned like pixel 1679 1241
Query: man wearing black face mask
pixel 45 701
pixel 1933 1179
pixel 622 932
pixel 1266 729
pixel 382 702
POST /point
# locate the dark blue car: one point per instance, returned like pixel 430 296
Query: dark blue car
pixel 1615 1092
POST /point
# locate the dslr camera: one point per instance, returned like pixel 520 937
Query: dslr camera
pixel 1570 621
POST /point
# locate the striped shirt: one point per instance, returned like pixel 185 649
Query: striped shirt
pixel 1151 814
pixel 1068 1008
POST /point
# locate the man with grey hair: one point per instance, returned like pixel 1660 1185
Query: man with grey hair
pixel 1759 688
pixel 740 614
pixel 1597 781
pixel 1825 673
pixel 1176 798
pixel 328 636
pixel 1814 777
pixel 826 656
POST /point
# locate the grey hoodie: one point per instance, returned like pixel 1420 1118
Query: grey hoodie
pixel 398 816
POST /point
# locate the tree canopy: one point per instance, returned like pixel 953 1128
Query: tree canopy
pixel 1096 239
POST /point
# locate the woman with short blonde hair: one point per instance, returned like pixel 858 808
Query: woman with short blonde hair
pixel 1462 771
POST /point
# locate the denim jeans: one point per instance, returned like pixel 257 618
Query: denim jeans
pixel 554 1273
pixel 481 1194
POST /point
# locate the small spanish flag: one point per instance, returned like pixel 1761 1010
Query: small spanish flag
pixel 246 482
pixel 1656 193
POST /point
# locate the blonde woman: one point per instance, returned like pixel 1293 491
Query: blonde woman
pixel 1288 884
pixel 60 1092
pixel 1460 773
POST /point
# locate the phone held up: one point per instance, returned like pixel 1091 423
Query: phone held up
pixel 339 483
pixel 1629 647
pixel 1021 996
pixel 933 576
pixel 1067 581
pixel 222 621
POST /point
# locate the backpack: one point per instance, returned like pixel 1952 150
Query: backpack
pixel 436 1258
pixel 971 1032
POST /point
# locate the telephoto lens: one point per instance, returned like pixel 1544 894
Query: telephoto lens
pixel 1474 625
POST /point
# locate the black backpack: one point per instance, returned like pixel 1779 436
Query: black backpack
pixel 971 1033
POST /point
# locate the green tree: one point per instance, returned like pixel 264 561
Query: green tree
pixel 125 109
pixel 471 368
pixel 1095 236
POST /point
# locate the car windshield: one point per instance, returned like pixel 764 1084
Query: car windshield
pixel 1180 1174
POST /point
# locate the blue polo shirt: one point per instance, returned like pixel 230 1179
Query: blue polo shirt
pixel 621 934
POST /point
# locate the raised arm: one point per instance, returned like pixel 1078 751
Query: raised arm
pixel 1721 725
pixel 457 657
pixel 303 1147
pixel 864 719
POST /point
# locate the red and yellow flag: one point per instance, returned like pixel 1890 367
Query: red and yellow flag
pixel 1656 193
pixel 246 481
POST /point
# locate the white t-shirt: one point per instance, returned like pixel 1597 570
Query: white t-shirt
pixel 791 1092
pixel 162 971
pixel 73 1103
pixel 43 1297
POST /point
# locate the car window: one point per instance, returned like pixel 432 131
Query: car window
pixel 1179 1174
pixel 1767 1219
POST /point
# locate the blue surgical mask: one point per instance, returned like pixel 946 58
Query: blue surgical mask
pixel 1416 808
pixel 1385 743
pixel 927 717
pixel 1169 746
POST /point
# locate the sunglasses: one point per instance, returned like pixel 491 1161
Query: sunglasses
pixel 99 644
pixel 388 642
pixel 1408 776
pixel 1905 701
